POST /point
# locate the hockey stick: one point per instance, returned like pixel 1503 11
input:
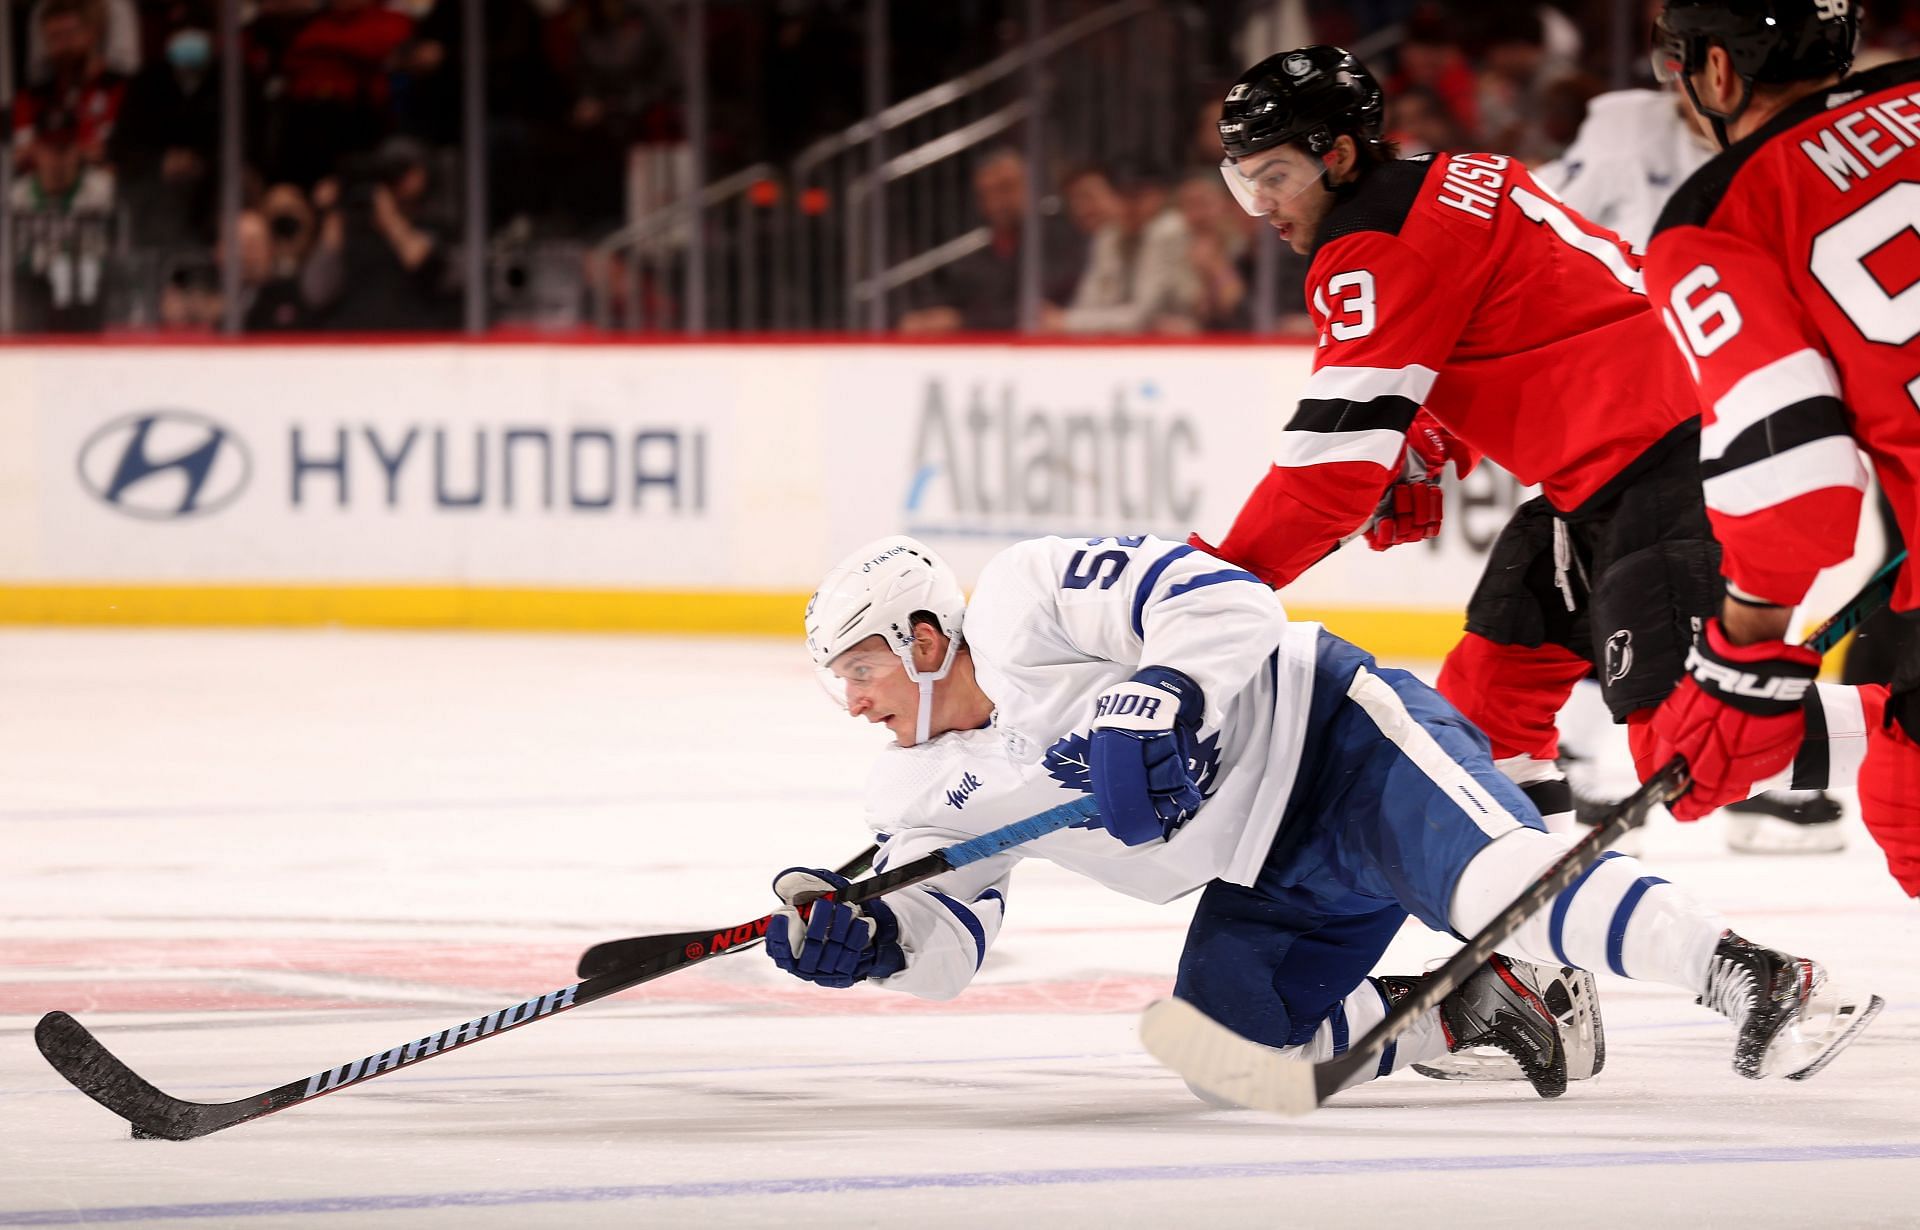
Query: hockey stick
pixel 77 1055
pixel 1211 1056
pixel 610 955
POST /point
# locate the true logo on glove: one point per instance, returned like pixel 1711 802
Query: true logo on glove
pixel 1734 682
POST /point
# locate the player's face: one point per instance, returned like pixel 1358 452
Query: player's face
pixel 1283 185
pixel 877 688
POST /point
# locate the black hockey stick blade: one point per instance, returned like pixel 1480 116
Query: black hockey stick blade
pixel 1214 1058
pixel 98 1073
pixel 611 955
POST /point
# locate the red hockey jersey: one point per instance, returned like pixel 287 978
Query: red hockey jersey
pixel 1788 270
pixel 1459 283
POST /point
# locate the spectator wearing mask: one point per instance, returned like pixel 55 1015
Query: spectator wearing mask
pixel 79 86
pixel 165 147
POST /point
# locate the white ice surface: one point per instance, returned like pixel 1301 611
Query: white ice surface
pixel 244 857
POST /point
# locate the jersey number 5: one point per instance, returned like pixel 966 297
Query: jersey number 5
pixel 1084 572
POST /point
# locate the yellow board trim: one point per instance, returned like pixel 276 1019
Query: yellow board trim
pixel 1390 633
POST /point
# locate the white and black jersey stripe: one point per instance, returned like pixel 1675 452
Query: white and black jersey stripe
pixel 1781 432
pixel 1355 414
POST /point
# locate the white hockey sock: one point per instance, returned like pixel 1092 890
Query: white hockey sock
pixel 1363 1008
pixel 1615 918
pixel 1545 786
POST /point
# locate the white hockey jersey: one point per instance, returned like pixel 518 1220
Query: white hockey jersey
pixel 1053 623
pixel 1633 151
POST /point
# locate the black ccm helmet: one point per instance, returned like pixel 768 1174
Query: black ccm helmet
pixel 1770 42
pixel 1310 97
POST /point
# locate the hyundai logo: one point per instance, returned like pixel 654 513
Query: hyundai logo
pixel 162 465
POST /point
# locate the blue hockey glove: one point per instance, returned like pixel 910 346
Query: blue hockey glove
pixel 1141 754
pixel 826 942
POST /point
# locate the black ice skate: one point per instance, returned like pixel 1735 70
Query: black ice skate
pixel 1785 822
pixel 1501 1007
pixel 1787 1019
pixel 1572 997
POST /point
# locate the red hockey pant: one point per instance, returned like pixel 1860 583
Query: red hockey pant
pixel 1512 692
pixel 1890 797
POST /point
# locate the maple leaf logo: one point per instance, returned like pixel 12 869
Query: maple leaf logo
pixel 1069 762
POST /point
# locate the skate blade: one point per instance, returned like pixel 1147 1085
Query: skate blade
pixel 1815 1038
pixel 1478 1064
pixel 1772 835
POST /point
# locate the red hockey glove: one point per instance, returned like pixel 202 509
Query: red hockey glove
pixel 1736 717
pixel 1411 508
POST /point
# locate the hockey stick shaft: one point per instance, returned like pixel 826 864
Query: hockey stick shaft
pixel 609 955
pixel 1330 1076
pixel 79 1057
pixel 1876 593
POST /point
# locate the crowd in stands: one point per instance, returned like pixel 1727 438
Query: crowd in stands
pixel 353 135
pixel 1170 252
pixel 353 139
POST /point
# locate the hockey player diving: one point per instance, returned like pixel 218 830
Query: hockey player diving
pixel 1464 311
pixel 1313 797
pixel 1788 271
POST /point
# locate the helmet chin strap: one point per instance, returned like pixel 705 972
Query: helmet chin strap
pixel 1719 119
pixel 923 720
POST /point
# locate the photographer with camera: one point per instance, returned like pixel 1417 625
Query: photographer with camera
pixel 379 265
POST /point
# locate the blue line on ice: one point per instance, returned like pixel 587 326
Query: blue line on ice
pixel 721 1189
